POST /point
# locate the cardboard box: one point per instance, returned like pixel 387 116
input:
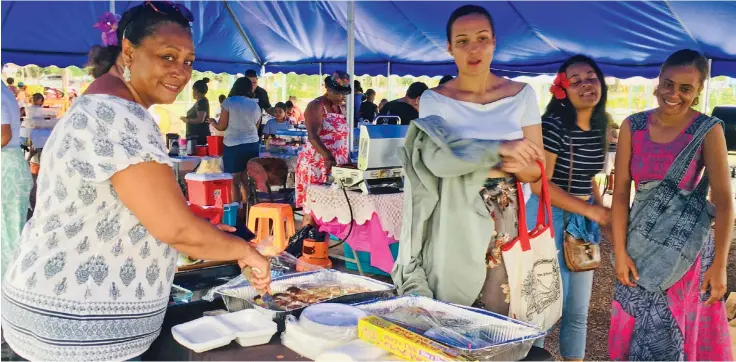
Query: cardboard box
pixel 404 343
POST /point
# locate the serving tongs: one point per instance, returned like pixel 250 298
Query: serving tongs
pixel 265 294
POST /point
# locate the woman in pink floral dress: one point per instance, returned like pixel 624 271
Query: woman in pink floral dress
pixel 327 130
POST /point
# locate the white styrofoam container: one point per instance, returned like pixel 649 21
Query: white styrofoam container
pixel 251 327
pixel 247 327
pixel 203 334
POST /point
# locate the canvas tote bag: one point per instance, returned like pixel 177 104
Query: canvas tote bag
pixel 535 282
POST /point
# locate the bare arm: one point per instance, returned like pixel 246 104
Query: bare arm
pixel 149 190
pixel 201 117
pixel 532 173
pixel 596 192
pixel 715 157
pixel 224 121
pixel 7 134
pixel 622 191
pixel 313 121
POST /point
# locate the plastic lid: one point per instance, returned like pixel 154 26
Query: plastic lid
pixel 333 315
pixel 208 176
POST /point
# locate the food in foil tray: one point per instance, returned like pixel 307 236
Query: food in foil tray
pixel 436 325
pixel 296 297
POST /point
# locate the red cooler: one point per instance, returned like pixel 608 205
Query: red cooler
pixel 216 145
pixel 205 189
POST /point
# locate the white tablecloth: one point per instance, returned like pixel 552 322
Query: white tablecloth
pixel 327 203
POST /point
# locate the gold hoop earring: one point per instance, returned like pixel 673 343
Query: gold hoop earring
pixel 126 74
pixel 696 101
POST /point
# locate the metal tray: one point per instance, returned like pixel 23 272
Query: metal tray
pixel 240 296
pixel 510 339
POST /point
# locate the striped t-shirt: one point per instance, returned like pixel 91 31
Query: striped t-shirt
pixel 587 157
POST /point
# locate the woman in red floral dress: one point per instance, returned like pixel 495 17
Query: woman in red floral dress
pixel 327 130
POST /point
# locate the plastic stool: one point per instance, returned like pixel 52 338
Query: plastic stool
pixel 283 224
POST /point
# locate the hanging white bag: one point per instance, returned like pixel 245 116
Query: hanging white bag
pixel 535 282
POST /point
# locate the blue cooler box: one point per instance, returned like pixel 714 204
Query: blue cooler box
pixel 230 214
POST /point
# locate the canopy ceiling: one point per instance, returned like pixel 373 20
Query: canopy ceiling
pixel 626 38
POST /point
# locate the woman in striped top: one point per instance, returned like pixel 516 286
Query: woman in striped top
pixel 574 129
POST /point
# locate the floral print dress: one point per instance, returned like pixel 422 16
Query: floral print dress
pixel 310 166
pixel 502 201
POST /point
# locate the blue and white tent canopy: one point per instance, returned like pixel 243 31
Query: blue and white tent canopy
pixel 626 38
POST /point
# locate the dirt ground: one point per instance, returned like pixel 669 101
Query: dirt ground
pixel 600 307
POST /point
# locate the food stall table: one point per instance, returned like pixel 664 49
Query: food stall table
pixel 199 280
pixel 376 220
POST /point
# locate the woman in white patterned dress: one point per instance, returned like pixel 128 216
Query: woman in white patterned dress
pixel 96 262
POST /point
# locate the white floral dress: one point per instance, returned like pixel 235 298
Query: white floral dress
pixel 89 282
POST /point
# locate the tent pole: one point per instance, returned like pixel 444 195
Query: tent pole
pixel 351 71
pixel 112 6
pixel 706 95
pixel 320 81
pixel 388 81
pixel 284 98
pixel 242 33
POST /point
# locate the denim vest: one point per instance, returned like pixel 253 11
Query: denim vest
pixel 668 226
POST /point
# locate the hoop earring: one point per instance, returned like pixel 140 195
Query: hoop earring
pixel 126 73
pixel 696 101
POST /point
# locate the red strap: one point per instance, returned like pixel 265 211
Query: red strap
pixel 545 207
pixel 545 202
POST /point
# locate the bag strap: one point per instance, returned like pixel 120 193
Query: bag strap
pixel 544 213
pixel 569 182
pixel 680 165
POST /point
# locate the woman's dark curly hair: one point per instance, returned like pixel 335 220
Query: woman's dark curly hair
pixel 136 24
pixel 566 112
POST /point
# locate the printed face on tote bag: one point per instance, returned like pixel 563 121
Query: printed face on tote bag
pixel 535 281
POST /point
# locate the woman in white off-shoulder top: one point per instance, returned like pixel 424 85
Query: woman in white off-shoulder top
pixel 480 105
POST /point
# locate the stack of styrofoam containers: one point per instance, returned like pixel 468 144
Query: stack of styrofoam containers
pixel 247 327
pixel 321 327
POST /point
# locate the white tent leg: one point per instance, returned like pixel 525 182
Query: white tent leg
pixel 112 6
pixel 321 82
pixel 284 97
pixel 388 82
pixel 351 71
pixel 706 93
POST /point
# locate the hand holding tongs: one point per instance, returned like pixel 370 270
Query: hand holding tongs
pixel 265 294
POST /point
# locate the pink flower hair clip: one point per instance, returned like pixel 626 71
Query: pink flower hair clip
pixel 108 25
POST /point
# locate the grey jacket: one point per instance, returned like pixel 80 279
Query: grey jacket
pixel 446 226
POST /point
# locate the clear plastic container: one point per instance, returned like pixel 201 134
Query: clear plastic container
pixel 332 320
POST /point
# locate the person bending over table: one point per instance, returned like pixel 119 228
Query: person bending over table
pixel 327 132
pixel 96 263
